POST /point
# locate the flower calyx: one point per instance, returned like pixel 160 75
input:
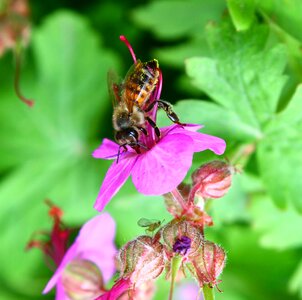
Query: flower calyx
pixel 82 280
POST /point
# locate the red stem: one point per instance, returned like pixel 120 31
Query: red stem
pixel 28 102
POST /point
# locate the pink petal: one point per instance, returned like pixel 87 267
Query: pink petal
pixel 70 254
pixel 162 168
pixel 60 292
pixel 207 142
pixel 98 231
pixel 188 291
pixel 107 150
pixel 116 176
pixel 119 288
pixel 201 141
pixel 96 243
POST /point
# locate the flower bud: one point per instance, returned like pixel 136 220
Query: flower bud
pixel 14 26
pixel 208 265
pixel 141 260
pixel 82 280
pixel 212 180
pixel 181 237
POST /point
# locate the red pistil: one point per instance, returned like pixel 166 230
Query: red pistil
pixel 124 39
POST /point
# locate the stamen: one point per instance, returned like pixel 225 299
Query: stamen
pixel 124 39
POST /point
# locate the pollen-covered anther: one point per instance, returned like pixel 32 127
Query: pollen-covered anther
pixel 182 237
pixel 208 265
pixel 141 260
pixel 212 180
pixel 82 280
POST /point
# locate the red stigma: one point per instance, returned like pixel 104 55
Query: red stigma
pixel 124 39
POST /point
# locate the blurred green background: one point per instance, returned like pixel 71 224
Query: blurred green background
pixel 234 66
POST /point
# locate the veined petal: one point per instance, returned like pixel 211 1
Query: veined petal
pixel 99 231
pixel 116 176
pixel 107 150
pixel 163 167
pixel 204 141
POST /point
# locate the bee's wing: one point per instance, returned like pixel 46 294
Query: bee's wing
pixel 114 87
pixel 128 81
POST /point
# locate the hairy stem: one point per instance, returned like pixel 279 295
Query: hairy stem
pixel 175 265
pixel 178 197
pixel 208 293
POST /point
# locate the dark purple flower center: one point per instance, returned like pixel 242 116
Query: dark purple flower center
pixel 182 245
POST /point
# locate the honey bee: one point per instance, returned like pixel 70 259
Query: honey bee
pixel 133 100
pixel 132 103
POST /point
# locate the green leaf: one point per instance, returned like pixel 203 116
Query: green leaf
pixel 245 257
pixel 48 148
pixel 176 55
pixel 232 207
pixel 216 119
pixel 287 14
pixel 295 285
pixel 241 75
pixel 279 155
pixel 242 13
pixel 188 17
pixel 278 228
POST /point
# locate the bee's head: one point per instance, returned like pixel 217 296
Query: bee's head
pixel 127 136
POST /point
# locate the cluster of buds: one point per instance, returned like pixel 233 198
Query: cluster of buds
pixel 14 24
pixel 145 258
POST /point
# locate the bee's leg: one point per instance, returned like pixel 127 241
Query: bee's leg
pixel 137 145
pixel 119 151
pixel 167 107
pixel 154 126
pixel 143 130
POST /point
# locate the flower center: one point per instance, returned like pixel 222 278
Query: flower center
pixel 182 245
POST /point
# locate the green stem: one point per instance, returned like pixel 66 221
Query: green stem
pixel 208 293
pixel 175 265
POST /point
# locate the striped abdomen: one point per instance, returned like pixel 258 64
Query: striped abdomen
pixel 140 83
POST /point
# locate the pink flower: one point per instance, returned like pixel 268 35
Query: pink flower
pixel 158 170
pixel 188 291
pixel 92 254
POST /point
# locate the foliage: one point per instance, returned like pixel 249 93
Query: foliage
pixel 234 68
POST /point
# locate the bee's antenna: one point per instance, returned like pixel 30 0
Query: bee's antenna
pixel 124 39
